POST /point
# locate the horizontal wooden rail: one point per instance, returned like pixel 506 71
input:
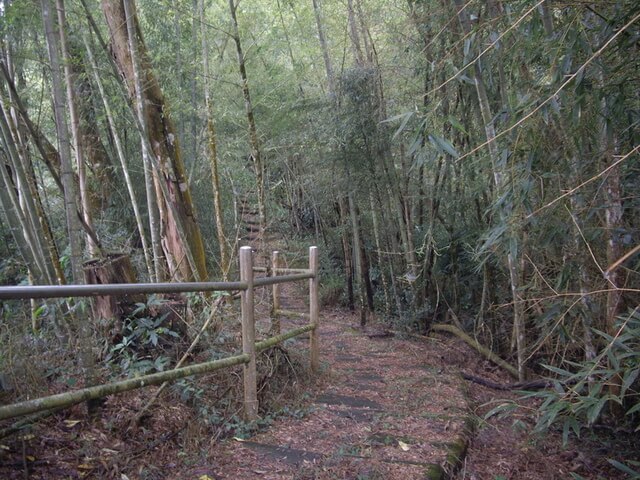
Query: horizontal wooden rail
pixel 291 313
pixel 64 291
pixel 264 281
pixel 68 399
pixel 292 270
pixel 282 270
pixel 246 286
pixel 270 342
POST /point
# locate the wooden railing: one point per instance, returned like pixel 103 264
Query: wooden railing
pixel 250 348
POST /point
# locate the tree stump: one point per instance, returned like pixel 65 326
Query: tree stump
pixel 109 311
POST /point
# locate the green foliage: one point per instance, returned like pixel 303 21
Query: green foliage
pixel 142 335
pixel 581 397
pixel 633 474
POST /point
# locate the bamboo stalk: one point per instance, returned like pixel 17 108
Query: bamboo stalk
pixel 270 342
pixel 66 169
pixel 74 124
pixel 123 161
pixel 265 281
pixel 256 154
pixel 212 143
pixel 153 202
pixel 64 291
pixel 91 393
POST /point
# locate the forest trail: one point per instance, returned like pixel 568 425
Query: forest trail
pixel 385 407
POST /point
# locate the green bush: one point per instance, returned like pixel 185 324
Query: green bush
pixel 579 398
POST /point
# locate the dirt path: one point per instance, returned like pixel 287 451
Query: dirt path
pixel 383 410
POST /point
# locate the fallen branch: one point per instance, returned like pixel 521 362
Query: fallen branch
pixel 474 343
pixel 532 385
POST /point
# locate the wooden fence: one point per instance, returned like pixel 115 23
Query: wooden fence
pixel 250 348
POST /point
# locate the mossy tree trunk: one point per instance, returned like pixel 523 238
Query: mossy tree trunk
pixel 181 236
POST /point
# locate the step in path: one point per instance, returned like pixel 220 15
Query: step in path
pixel 385 408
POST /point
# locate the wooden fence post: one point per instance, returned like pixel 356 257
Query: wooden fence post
pixel 275 291
pixel 314 311
pixel 248 336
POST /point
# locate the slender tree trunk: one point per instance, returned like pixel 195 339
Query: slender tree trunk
pixel 24 166
pixel 358 263
pixel 354 34
pixel 177 12
pixel 212 143
pixel 347 251
pixel 317 10
pixel 13 213
pixel 83 326
pixel 24 205
pixel 253 133
pixel 381 268
pixel 613 226
pixel 150 176
pixel 123 163
pixel 506 211
pixel 66 169
pixel 99 163
pixel 75 125
pixel 48 152
pixel 193 86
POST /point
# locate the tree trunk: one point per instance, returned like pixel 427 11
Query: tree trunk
pixel 212 142
pixel 123 163
pixel 83 326
pixel 354 34
pixel 360 272
pixel 182 240
pixel 347 251
pixel 12 211
pixel 381 268
pixel 75 126
pixel 506 211
pixel 101 180
pixel 253 133
pixel 317 10
pixel 109 310
pixel 613 226
pixel 21 193
pixel 66 169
